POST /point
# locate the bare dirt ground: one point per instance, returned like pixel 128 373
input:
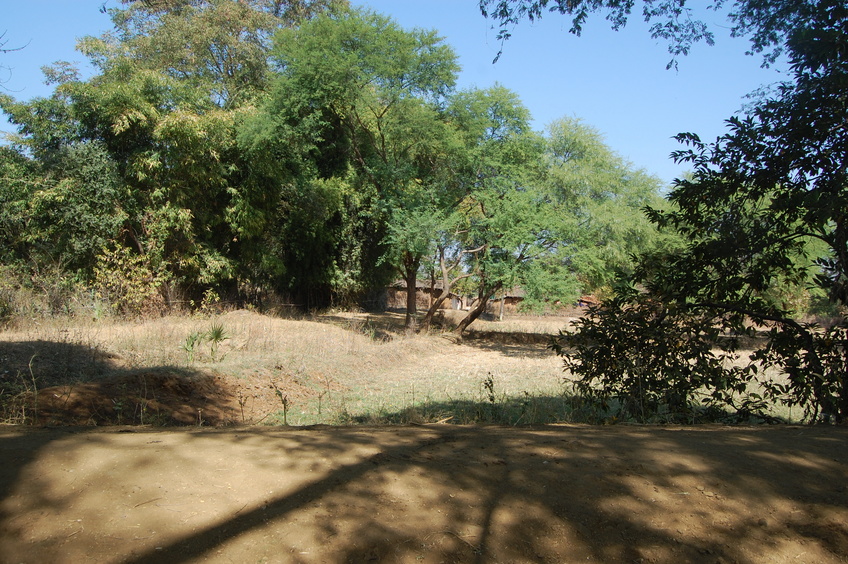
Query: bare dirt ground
pixel 432 493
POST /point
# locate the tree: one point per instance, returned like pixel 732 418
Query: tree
pixel 221 46
pixel 766 23
pixel 176 81
pixel 605 196
pixel 756 198
pixel 357 98
pixel 503 221
pixel 554 215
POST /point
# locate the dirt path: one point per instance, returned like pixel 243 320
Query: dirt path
pixel 425 494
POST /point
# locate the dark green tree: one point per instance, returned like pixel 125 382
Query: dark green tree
pixel 755 200
pixel 357 101
pixel 175 81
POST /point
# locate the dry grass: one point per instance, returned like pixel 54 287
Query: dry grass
pixel 340 367
pixel 347 367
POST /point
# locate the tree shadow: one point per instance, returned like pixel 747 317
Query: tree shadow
pixel 486 494
pixel 378 327
pixel 512 344
pixel 47 384
pixel 429 493
pixel 500 409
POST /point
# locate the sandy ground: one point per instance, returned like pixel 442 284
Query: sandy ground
pixel 434 493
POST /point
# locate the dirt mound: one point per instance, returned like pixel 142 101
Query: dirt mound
pixel 165 398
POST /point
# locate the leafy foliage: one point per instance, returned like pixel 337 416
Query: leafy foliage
pixel 766 23
pixel 128 283
pixel 764 213
pixel 659 362
pixel 605 197
pixel 300 150
pixel 355 101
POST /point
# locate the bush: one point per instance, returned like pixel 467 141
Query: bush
pixel 653 362
pixel 128 283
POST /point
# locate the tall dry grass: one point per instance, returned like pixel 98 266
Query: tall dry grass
pixel 360 367
pixel 346 367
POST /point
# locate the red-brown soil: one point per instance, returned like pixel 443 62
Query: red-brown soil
pixel 434 493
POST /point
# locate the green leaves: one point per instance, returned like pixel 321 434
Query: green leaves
pixel 763 215
pixel 62 215
pixel 657 362
pixel 342 57
pixel 355 101
pixel 605 197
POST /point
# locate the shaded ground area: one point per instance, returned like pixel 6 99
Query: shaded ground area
pixel 58 383
pixel 425 493
pixel 434 493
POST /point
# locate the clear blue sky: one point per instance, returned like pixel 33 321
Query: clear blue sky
pixel 614 81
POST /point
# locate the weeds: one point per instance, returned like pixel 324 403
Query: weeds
pixel 284 400
pixel 192 341
pixel 242 400
pixel 34 391
pixel 19 398
pixel 214 336
pixel 322 372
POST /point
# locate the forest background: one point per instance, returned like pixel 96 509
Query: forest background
pixel 304 154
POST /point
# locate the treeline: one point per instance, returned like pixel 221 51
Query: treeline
pixel 303 152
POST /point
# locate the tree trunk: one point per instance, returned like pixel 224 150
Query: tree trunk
pixel 410 276
pixel 434 307
pixel 447 285
pixel 503 304
pixel 478 309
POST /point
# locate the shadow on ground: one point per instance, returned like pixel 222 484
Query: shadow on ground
pixel 427 494
pixel 517 344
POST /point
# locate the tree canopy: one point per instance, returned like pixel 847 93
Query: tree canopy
pixel 763 217
pixel 678 22
pixel 305 153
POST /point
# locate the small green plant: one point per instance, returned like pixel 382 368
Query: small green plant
pixel 129 282
pixel 489 387
pixel 216 335
pixel 142 409
pixel 210 301
pixel 321 395
pixel 191 343
pixel 284 400
pixel 118 406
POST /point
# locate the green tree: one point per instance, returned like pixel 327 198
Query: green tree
pixel 220 46
pixel 176 80
pixel 605 196
pixel 501 213
pixel 556 216
pixel 357 99
pixel 756 198
pixel 56 219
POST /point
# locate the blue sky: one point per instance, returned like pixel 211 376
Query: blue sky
pixel 614 81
